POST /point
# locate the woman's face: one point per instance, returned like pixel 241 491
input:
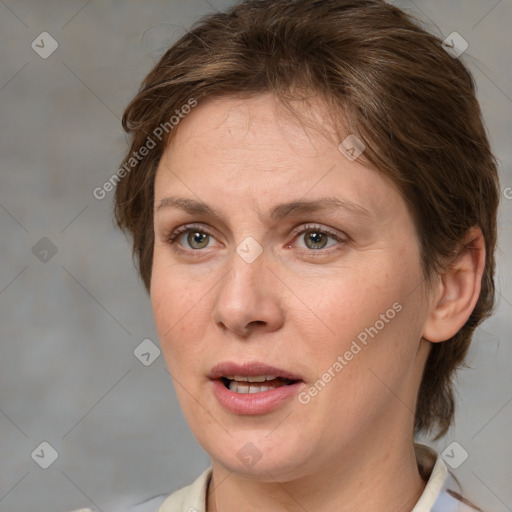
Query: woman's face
pixel 298 263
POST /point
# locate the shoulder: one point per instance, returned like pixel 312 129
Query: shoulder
pixel 149 505
pixel 191 498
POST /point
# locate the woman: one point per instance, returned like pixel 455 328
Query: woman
pixel 312 201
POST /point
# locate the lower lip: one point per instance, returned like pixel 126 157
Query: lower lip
pixel 254 403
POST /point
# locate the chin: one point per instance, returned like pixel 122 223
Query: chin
pixel 256 455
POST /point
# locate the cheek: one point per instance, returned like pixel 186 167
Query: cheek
pixel 347 303
pixel 370 315
pixel 373 350
pixel 174 304
pixel 171 294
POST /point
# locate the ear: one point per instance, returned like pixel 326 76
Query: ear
pixel 457 290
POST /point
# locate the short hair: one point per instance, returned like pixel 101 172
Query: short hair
pixel 386 80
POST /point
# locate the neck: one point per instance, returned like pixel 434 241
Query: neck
pixel 383 477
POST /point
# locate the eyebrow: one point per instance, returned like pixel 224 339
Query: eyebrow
pixel 277 213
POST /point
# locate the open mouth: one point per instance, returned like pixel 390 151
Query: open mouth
pixel 251 388
pixel 254 384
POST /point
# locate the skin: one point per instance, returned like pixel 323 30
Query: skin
pixel 297 307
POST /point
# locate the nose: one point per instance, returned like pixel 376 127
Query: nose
pixel 248 299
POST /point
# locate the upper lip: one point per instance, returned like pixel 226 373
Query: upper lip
pixel 250 369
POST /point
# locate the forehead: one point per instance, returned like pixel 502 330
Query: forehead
pixel 259 122
pixel 231 148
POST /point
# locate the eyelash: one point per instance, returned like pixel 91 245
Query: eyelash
pixel 172 239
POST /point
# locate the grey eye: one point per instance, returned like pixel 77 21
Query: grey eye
pixel 315 239
pixel 199 238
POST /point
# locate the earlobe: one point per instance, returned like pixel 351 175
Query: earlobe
pixel 457 290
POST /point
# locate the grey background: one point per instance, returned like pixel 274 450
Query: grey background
pixel 69 327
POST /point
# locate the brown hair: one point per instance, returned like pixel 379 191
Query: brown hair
pixel 391 82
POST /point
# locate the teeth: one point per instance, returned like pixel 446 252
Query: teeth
pixel 237 387
pixel 255 378
pixel 253 383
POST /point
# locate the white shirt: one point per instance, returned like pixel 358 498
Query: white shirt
pixel 441 494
